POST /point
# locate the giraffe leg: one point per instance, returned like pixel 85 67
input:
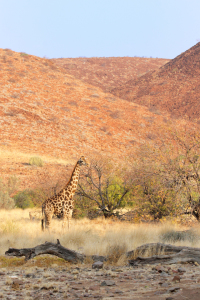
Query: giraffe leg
pixel 67 215
pixel 48 218
pixel 69 218
pixel 64 217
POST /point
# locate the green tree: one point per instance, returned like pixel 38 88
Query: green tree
pixel 102 185
pixel 29 198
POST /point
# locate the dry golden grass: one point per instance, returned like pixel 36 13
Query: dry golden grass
pixel 100 236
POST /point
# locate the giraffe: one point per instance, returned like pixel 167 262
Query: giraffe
pixel 62 203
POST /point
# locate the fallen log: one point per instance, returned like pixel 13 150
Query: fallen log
pixel 158 253
pixel 154 253
pixel 47 248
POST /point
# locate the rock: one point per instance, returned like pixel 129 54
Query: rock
pixel 94 288
pixel 86 295
pixel 159 269
pixel 75 272
pixel 181 270
pixel 169 298
pixel 118 292
pixel 30 275
pixel 165 284
pixel 107 283
pixel 173 289
pixel 77 295
pixel 196 263
pixel 176 278
pixel 97 265
pixel 117 270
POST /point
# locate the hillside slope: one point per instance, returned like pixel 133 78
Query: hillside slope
pixel 173 88
pixel 109 72
pixel 46 112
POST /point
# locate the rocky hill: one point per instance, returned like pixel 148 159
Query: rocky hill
pixel 173 88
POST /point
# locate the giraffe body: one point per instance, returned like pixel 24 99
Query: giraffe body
pixel 62 204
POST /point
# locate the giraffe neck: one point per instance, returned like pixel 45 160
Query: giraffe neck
pixel 73 182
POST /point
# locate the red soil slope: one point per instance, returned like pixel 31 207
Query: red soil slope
pixel 174 88
pixel 109 72
pixel 47 112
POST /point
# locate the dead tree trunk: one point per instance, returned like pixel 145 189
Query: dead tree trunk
pixel 146 254
pixel 47 248
pixel 163 254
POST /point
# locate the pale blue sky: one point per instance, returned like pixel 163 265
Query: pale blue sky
pixel 74 28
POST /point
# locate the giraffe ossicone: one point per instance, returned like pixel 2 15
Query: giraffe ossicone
pixel 62 204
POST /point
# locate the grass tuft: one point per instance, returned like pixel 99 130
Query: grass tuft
pixel 36 161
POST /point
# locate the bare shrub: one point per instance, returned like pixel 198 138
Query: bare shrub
pixel 3 58
pixel 6 201
pixel 15 96
pixel 43 70
pixel 103 129
pixel 151 136
pixel 21 74
pixel 154 110
pixel 23 54
pixel 94 108
pixel 6 190
pixel 132 142
pixel 95 96
pixel 73 103
pixel 12 80
pixel 65 108
pixel 115 115
pixel 11 113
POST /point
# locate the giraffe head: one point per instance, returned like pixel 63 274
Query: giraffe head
pixel 82 161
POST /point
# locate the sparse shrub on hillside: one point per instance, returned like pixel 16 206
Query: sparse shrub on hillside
pixel 12 80
pixel 155 198
pixel 23 54
pixel 6 201
pixel 153 188
pixel 36 161
pixel 166 179
pixel 23 200
pixel 95 96
pixel 9 52
pixel 115 115
pixel 15 96
pixel 12 184
pixel 4 58
pixel 154 110
pixel 6 190
pixel 29 198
